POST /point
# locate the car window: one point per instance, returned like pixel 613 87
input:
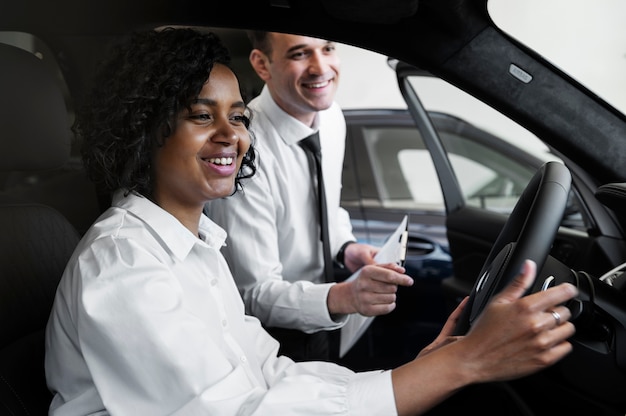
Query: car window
pixel 399 180
pixel 492 174
pixel 420 174
pixel 583 34
pixel 488 179
pixel 493 158
pixel 441 96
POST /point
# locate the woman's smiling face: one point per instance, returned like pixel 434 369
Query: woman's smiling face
pixel 200 160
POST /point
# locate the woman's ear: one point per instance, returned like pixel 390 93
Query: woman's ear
pixel 259 62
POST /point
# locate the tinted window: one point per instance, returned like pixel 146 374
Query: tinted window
pixel 491 174
pixel 489 179
pixel 404 173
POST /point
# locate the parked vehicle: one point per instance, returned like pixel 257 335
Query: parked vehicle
pixel 570 218
pixel 387 174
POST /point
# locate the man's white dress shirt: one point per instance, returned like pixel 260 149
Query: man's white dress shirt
pixel 148 321
pixel 274 248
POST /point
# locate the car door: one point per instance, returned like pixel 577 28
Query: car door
pixel 389 173
pixel 481 180
pixel 377 196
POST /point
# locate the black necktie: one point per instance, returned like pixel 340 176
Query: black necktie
pixel 311 145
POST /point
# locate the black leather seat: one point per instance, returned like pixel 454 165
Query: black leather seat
pixel 36 241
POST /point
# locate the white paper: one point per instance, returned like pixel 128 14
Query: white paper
pixel 393 251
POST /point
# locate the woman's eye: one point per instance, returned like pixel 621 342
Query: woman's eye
pixel 200 117
pixel 243 119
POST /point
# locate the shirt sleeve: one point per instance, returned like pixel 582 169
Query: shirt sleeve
pixel 344 230
pixel 152 348
pixel 253 253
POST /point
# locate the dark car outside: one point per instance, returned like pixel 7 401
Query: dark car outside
pixel 379 189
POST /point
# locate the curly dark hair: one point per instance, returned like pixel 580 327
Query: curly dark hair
pixel 146 82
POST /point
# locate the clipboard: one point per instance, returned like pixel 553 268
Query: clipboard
pixel 393 251
pixel 403 240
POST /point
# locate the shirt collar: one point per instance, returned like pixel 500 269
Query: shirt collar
pixel 290 129
pixel 178 239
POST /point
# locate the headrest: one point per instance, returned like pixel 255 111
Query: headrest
pixel 34 130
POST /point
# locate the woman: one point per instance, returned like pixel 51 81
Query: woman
pixel 147 318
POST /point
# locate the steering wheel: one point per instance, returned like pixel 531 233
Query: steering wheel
pixel 528 234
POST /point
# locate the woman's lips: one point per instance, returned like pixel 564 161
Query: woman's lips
pixel 224 165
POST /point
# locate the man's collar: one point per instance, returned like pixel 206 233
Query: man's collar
pixel 289 128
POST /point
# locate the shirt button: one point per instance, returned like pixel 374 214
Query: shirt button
pixel 243 359
pixel 224 322
pixel 214 282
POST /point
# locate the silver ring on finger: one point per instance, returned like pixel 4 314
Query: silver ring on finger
pixel 557 317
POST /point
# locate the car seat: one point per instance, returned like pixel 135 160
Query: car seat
pixel 36 241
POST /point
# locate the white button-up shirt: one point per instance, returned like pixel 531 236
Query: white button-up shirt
pixel 147 321
pixel 274 248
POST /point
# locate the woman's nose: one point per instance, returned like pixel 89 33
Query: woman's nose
pixel 225 133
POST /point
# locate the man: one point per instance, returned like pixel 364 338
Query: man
pixel 275 251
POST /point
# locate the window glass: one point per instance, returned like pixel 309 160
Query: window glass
pixel 438 95
pixel 493 157
pixel 384 146
pixel 403 171
pixel 367 81
pixel 405 176
pixel 584 39
pixel 421 177
pixel 488 179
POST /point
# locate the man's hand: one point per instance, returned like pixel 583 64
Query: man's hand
pixel 372 293
pixel 358 255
